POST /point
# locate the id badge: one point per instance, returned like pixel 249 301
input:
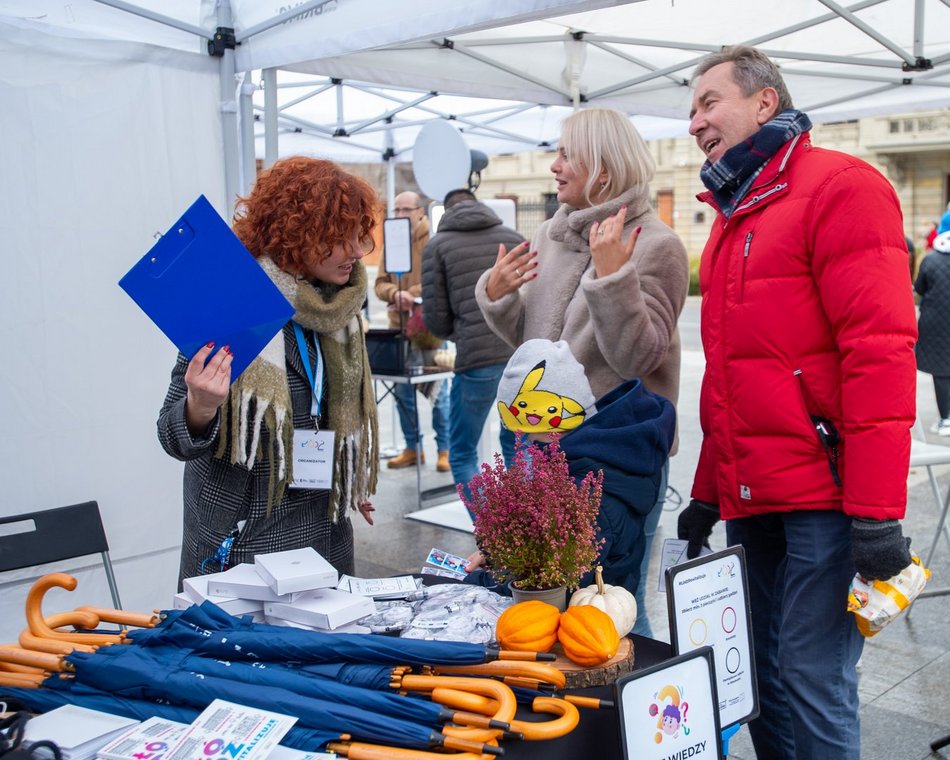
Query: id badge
pixel 313 459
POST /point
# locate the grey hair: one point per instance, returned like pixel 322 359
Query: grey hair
pixel 604 139
pixel 752 71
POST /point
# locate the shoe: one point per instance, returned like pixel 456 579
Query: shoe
pixel 936 426
pixel 406 459
pixel 443 464
pixel 943 428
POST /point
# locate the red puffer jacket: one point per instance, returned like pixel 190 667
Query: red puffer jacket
pixel 807 311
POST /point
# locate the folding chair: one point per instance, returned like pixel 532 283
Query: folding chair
pixel 35 538
pixel 929 455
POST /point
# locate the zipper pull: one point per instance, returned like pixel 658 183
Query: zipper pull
pixel 748 245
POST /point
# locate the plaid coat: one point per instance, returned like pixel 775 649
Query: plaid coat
pixel 218 494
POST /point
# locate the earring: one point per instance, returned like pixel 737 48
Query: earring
pixel 603 184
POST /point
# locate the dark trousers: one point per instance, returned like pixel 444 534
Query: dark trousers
pixel 806 644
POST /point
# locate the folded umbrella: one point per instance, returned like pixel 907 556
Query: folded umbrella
pixel 67 691
pixel 240 640
pixel 131 672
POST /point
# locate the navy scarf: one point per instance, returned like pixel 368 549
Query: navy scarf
pixel 731 176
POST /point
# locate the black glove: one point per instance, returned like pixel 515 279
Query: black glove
pixel 879 548
pixel 695 525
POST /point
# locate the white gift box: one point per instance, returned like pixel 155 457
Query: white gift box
pixel 325 608
pixel 244 582
pixel 296 570
pixel 196 589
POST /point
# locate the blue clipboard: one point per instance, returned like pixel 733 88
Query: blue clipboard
pixel 199 283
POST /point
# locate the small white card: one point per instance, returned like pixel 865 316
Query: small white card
pixel 313 459
pixel 451 562
pixel 674 552
pixel 246 733
pixel 377 588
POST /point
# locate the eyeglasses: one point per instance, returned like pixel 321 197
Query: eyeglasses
pixel 406 209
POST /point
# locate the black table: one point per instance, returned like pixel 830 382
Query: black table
pixel 597 736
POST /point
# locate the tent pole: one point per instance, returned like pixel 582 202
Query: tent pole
pixel 228 106
pixel 248 154
pixel 269 77
pixel 390 156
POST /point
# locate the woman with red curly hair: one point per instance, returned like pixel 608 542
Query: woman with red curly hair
pixel 308 223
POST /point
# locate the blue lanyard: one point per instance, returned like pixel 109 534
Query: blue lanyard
pixel 314 376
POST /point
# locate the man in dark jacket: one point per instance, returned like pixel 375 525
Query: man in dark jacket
pixel 465 246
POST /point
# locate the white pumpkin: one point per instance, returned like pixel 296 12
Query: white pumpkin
pixel 619 604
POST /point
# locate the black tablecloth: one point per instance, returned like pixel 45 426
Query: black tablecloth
pixel 597 736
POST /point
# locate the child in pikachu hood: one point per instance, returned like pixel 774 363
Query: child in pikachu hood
pixel 627 434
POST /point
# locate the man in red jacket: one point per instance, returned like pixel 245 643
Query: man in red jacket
pixel 809 393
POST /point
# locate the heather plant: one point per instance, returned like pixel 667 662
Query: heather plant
pixel 533 523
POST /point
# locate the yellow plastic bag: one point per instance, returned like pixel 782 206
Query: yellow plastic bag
pixel 877 603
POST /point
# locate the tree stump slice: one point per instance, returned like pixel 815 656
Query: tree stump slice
pixel 579 677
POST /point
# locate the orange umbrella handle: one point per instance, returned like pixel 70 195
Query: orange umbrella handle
pixel 34 612
pixel 590 702
pixel 502 668
pixel 567 720
pixel 21 680
pixel 361 751
pixel 9 667
pixel 507 704
pixel 30 658
pixel 53 646
pixel 464 700
pixel 135 619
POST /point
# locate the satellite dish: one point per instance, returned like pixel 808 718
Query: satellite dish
pixel 441 161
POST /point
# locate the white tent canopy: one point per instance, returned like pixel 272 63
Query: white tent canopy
pixel 115 117
pixel 873 57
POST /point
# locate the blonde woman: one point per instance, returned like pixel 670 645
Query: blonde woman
pixel 581 281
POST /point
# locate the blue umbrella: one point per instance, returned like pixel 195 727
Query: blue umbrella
pixel 125 671
pixel 352 673
pixel 297 681
pixel 241 640
pixel 66 691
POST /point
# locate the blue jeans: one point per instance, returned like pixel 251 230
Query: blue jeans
pixel 806 644
pixel 642 626
pixel 474 393
pixel 406 406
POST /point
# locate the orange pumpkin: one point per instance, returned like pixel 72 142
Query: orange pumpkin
pixel 528 627
pixel 587 635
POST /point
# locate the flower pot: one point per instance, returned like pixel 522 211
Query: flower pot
pixel 556 596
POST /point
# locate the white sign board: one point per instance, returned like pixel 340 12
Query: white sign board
pixel 397 245
pixel 669 710
pixel 708 602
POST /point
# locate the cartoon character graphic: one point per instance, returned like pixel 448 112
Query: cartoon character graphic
pixel 670 721
pixel 536 411
pixel 672 717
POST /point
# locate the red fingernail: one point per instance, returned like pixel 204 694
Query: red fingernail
pixel 534 253
pixel 210 344
pixel 226 349
pixel 637 230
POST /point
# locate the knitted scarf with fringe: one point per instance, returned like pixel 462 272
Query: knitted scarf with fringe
pixel 260 397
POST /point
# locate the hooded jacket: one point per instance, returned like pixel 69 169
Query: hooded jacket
pixel 465 246
pixel 629 439
pixel 805 313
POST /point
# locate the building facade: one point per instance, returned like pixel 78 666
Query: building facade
pixel 911 150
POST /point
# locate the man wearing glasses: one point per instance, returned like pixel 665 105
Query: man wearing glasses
pixel 402 300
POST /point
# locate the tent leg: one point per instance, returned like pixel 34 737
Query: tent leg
pixel 228 106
